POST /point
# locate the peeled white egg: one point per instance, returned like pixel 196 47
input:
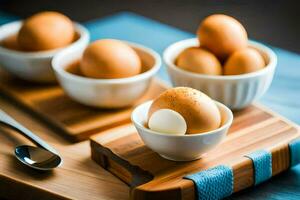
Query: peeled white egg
pixel 167 121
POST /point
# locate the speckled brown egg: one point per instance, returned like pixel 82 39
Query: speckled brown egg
pixel 199 111
pixel 46 31
pixel 222 35
pixel 108 58
pixel 199 60
pixel 244 61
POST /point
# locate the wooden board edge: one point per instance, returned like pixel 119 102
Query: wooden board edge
pixel 56 127
pixel 38 116
pixel 106 158
pixel 13 189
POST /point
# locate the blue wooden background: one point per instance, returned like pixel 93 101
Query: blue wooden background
pixel 282 97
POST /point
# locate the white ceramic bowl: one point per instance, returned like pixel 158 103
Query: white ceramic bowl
pixel 105 93
pixel 236 91
pixel 180 147
pixel 34 66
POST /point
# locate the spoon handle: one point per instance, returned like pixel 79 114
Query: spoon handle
pixel 9 121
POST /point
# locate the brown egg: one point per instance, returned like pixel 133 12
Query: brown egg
pixel 244 61
pixel 45 31
pixel 222 35
pixel 199 111
pixel 199 60
pixel 11 43
pixel 110 58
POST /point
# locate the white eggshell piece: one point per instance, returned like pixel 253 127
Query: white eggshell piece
pixel 167 121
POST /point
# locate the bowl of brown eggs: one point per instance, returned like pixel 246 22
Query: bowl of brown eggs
pixel 28 46
pixel 222 63
pixel 182 123
pixel 108 73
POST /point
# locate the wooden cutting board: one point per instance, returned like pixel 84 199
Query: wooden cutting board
pixel 120 149
pixel 122 152
pixel 70 119
pixel 79 177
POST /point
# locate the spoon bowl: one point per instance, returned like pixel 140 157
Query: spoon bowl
pixel 41 157
pixel 37 158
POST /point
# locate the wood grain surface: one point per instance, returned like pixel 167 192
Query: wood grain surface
pixel 121 151
pixel 70 119
pixel 78 178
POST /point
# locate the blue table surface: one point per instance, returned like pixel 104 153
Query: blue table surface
pixel 282 97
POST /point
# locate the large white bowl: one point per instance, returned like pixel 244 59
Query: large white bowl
pixel 180 147
pixel 34 66
pixel 236 91
pixel 105 93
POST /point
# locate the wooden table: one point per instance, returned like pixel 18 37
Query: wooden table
pixel 80 172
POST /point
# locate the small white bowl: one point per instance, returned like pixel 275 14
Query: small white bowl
pixel 34 66
pixel 236 91
pixel 180 147
pixel 105 93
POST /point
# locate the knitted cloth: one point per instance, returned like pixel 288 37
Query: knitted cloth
pixel 214 183
pixel 262 162
pixel 295 152
pixel 217 182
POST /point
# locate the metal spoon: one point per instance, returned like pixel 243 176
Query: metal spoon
pixel 43 157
